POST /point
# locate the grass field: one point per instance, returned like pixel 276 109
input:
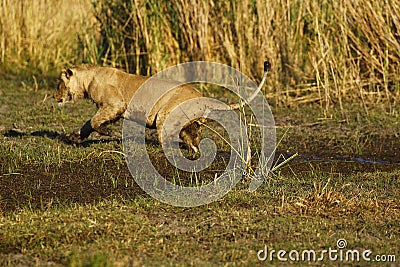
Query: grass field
pixel 72 205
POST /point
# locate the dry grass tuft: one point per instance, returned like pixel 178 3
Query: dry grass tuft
pixel 323 201
pixel 329 202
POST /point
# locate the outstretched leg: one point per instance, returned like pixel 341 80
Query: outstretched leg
pixel 103 116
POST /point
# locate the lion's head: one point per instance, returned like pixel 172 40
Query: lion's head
pixel 68 88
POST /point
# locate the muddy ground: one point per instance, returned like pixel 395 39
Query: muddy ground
pixel 335 147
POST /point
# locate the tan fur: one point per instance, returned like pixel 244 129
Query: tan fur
pixel 112 90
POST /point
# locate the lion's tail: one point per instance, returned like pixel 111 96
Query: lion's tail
pixel 267 68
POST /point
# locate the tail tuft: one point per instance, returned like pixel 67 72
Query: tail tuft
pixel 267 66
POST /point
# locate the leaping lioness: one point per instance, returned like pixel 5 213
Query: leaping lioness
pixel 112 89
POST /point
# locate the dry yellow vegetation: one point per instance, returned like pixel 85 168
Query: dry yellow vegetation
pixel 327 52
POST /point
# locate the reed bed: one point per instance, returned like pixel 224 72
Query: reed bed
pixel 40 36
pixel 326 52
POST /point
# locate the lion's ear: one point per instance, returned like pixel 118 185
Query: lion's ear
pixel 69 73
pixel 66 74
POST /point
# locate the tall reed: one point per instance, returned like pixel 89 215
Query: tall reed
pixel 42 35
pixel 327 52
pixel 322 51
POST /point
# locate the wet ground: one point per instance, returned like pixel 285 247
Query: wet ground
pixel 320 148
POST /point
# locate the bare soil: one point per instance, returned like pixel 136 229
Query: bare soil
pixel 319 146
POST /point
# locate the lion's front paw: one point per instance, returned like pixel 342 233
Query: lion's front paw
pixel 64 138
pixel 103 130
pixel 74 138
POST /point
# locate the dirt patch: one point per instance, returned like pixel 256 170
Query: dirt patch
pixel 371 148
pixel 94 180
pixel 79 182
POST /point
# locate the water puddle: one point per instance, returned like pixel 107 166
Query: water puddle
pixel 361 160
pixel 347 159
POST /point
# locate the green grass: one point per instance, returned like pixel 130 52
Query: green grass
pixel 229 231
pixel 301 206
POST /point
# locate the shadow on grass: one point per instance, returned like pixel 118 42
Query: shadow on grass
pixel 151 138
pixel 14 133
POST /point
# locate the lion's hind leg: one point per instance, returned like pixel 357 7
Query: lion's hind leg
pixel 190 135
